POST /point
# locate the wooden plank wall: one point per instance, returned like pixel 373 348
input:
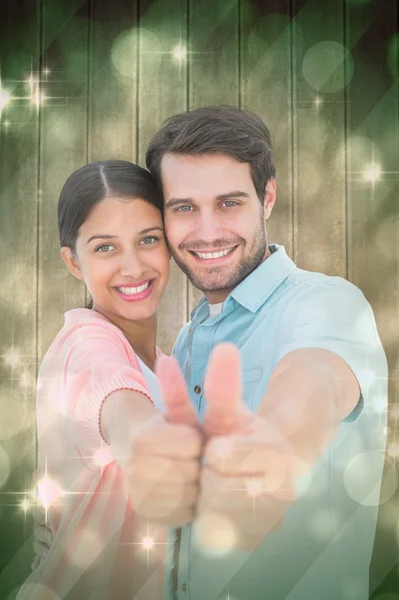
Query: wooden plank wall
pixel 323 76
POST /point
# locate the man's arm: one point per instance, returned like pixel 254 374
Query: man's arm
pixel 309 393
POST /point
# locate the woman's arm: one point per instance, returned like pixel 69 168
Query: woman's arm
pixel 123 416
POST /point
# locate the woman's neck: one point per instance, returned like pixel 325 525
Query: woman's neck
pixel 141 335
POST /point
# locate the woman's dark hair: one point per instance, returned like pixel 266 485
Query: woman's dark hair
pixel 94 182
pixel 90 184
pixel 223 129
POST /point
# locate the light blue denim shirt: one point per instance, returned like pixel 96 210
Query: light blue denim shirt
pixel 323 547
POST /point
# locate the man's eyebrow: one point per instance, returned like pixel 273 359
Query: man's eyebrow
pixel 233 194
pixel 175 201
pixel 106 236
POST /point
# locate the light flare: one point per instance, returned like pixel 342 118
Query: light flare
pixel 372 173
pixel 180 53
pixel 148 543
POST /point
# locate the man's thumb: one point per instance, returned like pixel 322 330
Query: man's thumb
pixel 178 407
pixel 225 413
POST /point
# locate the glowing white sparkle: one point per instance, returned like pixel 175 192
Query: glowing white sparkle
pixel 13 357
pixel 25 505
pixel 31 81
pixel 318 101
pixel 7 124
pixel 254 487
pixel 372 173
pixel 148 543
pixel 180 53
pixel 5 98
pixel 38 97
pixel 26 379
pixel 46 72
pixel 379 404
pixel 103 456
pixel 393 450
pixel 48 492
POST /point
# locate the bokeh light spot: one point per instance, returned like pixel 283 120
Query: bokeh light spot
pixel 363 475
pixel 324 67
pixel 216 532
pixel 125 51
pixel 325 524
pixel 85 551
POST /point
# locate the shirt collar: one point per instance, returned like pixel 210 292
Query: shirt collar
pixel 255 289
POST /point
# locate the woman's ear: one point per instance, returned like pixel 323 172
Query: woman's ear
pixel 71 261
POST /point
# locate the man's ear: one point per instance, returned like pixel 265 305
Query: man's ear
pixel 270 198
pixel 71 261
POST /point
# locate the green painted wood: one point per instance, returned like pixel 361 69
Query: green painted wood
pixel 162 93
pixel 19 152
pixel 113 80
pixel 319 136
pixel 213 63
pixel 265 68
pixel 373 226
pixel 63 150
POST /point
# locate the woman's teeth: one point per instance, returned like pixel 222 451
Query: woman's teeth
pixel 130 291
pixel 208 255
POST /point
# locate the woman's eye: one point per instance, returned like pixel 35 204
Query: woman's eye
pixel 149 240
pixel 104 248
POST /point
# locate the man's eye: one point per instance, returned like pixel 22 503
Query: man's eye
pixel 104 248
pixel 150 239
pixel 185 208
pixel 230 203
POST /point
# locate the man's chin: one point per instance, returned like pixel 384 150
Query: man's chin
pixel 206 284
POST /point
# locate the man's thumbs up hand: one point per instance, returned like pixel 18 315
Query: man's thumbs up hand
pixel 166 455
pixel 226 412
pixel 247 477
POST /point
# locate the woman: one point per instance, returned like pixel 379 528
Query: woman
pixel 97 389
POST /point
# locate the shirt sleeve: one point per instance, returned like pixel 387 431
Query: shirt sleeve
pixel 336 317
pixel 98 364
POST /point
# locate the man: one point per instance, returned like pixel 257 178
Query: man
pixel 282 510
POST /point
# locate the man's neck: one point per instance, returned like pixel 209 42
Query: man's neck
pixel 218 296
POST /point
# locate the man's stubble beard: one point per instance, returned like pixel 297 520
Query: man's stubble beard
pixel 227 281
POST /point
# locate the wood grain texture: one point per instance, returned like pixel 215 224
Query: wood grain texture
pixel 63 150
pixel 319 136
pixel 19 167
pixel 162 93
pixel 265 67
pixel 113 81
pixel 373 225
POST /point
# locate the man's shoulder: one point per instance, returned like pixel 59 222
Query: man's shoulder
pixel 302 285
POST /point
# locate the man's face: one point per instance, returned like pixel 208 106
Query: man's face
pixel 214 220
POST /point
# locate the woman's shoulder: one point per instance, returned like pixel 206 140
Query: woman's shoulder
pixel 86 324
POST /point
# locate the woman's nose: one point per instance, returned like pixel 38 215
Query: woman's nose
pixel 131 265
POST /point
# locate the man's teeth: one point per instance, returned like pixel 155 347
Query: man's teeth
pixel 208 255
pixel 133 290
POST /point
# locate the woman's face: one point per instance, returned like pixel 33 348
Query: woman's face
pixel 122 256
